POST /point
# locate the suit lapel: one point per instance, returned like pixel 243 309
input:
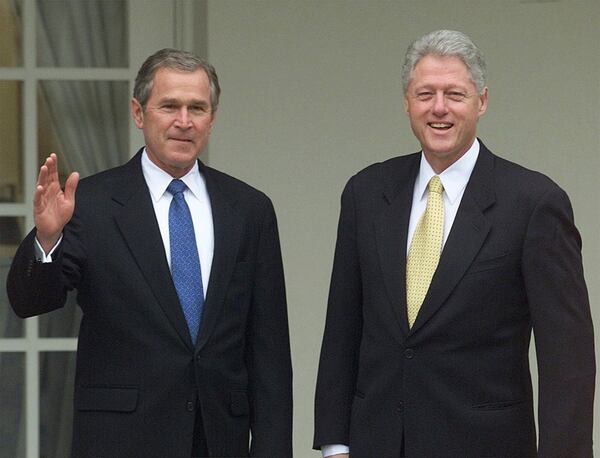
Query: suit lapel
pixel 228 226
pixel 468 233
pixel 136 220
pixel 391 231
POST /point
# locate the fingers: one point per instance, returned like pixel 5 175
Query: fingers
pixel 52 164
pixel 47 170
pixel 48 181
pixel 37 195
pixel 43 175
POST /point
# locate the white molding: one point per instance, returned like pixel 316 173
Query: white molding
pixel 68 344
pixel 151 27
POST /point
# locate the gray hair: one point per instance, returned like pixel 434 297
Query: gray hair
pixel 178 60
pixel 448 43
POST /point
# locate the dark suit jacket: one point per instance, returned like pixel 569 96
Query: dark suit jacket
pixel 458 383
pixel 139 378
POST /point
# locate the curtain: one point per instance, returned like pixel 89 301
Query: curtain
pixel 90 122
pixel 12 364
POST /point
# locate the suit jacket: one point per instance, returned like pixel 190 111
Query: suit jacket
pixel 139 378
pixel 458 382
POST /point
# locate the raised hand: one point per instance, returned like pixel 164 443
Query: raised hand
pixel 52 207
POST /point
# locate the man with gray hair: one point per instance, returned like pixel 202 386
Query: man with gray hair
pixel 183 348
pixel 445 262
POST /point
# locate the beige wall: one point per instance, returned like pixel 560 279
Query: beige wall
pixel 311 94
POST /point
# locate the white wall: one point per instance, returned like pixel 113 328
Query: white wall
pixel 311 94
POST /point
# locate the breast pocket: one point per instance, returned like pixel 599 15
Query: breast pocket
pixel 491 262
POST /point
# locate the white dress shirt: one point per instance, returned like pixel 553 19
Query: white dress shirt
pixel 198 201
pixel 454 179
pixel 196 196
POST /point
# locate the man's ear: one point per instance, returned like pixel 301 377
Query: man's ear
pixel 483 101
pixel 213 115
pixel 137 113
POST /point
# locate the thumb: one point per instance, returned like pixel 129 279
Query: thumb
pixel 71 186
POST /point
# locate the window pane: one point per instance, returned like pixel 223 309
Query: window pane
pixel 72 33
pixel 11 230
pixel 86 123
pixel 57 372
pixel 12 405
pixel 10 33
pixel 11 150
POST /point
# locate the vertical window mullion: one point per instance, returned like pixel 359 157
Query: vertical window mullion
pixel 32 396
pixel 32 393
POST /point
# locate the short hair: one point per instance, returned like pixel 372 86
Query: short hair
pixel 177 60
pixel 448 43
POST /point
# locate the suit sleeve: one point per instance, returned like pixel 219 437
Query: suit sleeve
pixel 564 338
pixel 34 287
pixel 338 364
pixel 268 349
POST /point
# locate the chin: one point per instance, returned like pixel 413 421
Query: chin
pixel 440 150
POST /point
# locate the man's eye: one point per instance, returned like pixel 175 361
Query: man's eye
pixel 168 107
pixel 424 96
pixel 456 96
pixel 199 109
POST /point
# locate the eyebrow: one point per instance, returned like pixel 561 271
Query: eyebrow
pixel 176 101
pixel 429 87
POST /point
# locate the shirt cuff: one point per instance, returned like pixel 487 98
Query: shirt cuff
pixel 39 251
pixel 334 449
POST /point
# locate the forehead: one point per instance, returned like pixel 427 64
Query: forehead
pixel 434 70
pixel 168 82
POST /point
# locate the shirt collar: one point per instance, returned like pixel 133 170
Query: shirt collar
pixel 158 180
pixel 454 178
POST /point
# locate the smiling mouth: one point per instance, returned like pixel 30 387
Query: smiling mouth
pixel 440 125
pixel 182 140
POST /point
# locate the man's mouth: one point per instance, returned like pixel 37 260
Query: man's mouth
pixel 440 125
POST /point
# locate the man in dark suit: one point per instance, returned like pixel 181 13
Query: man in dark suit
pixel 153 378
pixel 445 261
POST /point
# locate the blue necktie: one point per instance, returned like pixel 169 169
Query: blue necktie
pixel 185 263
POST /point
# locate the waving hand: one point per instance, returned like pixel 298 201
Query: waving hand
pixel 52 207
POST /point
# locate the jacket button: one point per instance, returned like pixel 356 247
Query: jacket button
pixel 409 353
pixel 190 406
pixel 400 407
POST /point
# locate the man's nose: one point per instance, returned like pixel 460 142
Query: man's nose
pixel 440 106
pixel 183 118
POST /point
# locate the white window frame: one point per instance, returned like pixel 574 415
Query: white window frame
pixel 153 24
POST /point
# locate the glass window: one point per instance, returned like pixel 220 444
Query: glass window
pixel 57 372
pixel 12 400
pixel 11 146
pixel 11 230
pixel 11 50
pixel 72 33
pixel 85 122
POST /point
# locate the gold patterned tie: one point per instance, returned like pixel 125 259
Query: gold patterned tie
pixel 425 250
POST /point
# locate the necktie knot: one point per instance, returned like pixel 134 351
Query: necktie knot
pixel 176 187
pixel 435 185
